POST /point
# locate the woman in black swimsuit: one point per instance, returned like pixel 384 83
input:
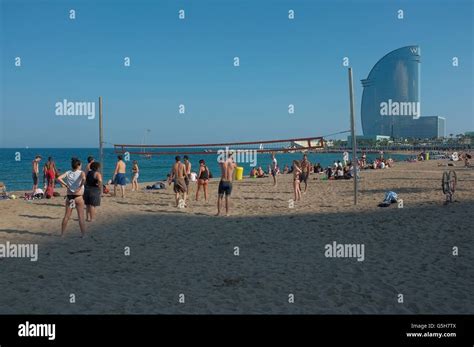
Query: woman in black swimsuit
pixel 203 179
pixel 92 190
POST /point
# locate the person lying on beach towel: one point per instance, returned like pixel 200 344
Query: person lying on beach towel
pixel 156 186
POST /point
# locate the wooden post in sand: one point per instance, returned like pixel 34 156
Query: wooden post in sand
pixel 355 163
pixel 101 137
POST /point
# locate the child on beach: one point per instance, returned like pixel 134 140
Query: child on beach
pixel 296 179
pixel 74 180
pixel 135 171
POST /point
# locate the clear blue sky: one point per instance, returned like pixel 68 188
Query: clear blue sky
pixel 191 62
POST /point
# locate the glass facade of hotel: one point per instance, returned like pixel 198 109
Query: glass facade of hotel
pixel 395 81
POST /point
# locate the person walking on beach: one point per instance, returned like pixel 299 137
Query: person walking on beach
pixel 274 169
pixel 92 190
pixel 135 172
pixel 74 180
pixel 225 184
pixel 305 170
pixel 49 177
pixel 203 179
pixel 90 160
pixel 35 172
pixel 296 179
pixel 178 174
pixel 119 176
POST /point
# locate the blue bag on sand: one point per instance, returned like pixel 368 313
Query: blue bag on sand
pixel 390 198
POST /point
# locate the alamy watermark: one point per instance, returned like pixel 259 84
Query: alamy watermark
pixel 345 250
pixel 395 108
pixel 20 250
pixel 239 155
pixel 75 108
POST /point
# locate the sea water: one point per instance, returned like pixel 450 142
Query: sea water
pixel 15 163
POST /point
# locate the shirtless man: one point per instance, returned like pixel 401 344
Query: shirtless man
pixel 119 176
pixel 225 185
pixel 35 172
pixel 187 168
pixel 305 169
pixel 178 174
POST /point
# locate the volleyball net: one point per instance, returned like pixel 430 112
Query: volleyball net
pixel 304 144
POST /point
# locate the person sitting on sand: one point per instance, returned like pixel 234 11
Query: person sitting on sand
pixel 225 184
pixel 317 168
pixel 119 176
pixel 74 180
pixel 92 190
pixel 178 174
pixel 253 173
pixel 135 171
pixel 35 172
pixel 329 173
pixel 203 179
pixel 260 172
pixel 286 169
pixel 296 180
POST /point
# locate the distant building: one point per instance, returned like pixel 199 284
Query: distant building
pixel 391 99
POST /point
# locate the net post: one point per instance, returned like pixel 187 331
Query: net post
pixel 355 163
pixel 101 138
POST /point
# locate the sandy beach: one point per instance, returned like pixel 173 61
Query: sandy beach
pixel 281 250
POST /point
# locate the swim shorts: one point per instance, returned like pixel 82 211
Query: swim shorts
pixel 225 188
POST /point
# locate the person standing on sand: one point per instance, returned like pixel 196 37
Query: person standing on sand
pixel 74 180
pixel 119 176
pixel 274 169
pixel 35 172
pixel 92 190
pixel 305 170
pixel 178 174
pixel 187 167
pixel 90 160
pixel 203 179
pixel 296 179
pixel 225 184
pixel 49 177
pixel 135 173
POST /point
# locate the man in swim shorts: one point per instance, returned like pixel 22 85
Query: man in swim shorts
pixel 119 175
pixel 35 172
pixel 178 174
pixel 225 185
pixel 187 168
pixel 305 169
